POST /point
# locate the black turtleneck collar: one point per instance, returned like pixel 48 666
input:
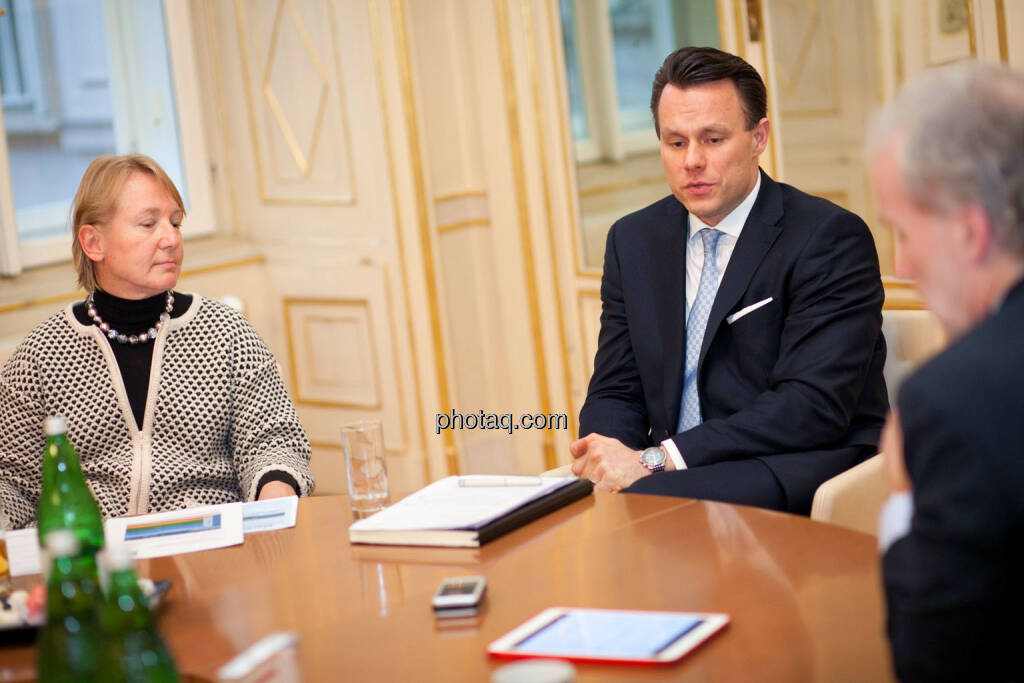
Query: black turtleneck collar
pixel 131 316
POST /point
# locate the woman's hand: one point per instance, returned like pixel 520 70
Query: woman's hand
pixel 276 489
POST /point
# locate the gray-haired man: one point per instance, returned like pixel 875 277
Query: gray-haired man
pixel 948 166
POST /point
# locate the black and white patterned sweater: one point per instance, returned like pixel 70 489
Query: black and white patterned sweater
pixel 217 416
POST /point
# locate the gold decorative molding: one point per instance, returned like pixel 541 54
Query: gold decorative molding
pixel 802 59
pixel 901 295
pixel 74 295
pixel 789 81
pixel 529 32
pixel 459 212
pixel 903 305
pixel 464 194
pixel 738 21
pixel 891 282
pixel 897 40
pixel 755 21
pixel 523 208
pixel 342 105
pixel 375 33
pixel 42 301
pixel 622 185
pixel 225 265
pixel 880 67
pixel 303 162
pixel 720 17
pixel 771 100
pixel 1004 46
pixel 740 18
pixel 420 185
pixel 459 225
pixel 971 39
pixel 969 28
pixel 288 303
pixel 395 362
pixel 582 295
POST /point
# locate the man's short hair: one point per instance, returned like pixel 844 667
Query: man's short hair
pixel 96 200
pixel 690 66
pixel 960 131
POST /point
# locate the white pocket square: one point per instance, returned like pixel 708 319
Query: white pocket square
pixel 749 309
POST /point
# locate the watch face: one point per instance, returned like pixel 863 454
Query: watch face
pixel 652 457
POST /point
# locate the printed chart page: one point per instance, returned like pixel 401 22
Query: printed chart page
pixel 180 531
pixel 267 515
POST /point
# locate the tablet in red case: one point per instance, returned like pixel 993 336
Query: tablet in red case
pixel 606 635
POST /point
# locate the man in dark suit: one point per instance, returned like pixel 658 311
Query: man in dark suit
pixel 948 168
pixel 740 347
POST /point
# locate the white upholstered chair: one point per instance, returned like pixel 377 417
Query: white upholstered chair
pixel 912 337
pixel 854 498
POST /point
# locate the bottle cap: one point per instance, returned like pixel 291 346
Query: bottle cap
pixel 535 671
pixel 119 557
pixel 55 425
pixel 62 543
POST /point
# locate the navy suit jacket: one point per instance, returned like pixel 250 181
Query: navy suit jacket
pixel 792 382
pixel 953 584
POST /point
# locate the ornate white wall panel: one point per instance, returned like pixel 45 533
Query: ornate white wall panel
pixel 331 344
pixel 453 213
pixel 291 61
pixel 340 348
pixel 806 57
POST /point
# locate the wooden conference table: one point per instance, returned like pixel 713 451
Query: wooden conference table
pixel 804 597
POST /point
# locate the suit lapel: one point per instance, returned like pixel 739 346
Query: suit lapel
pixel 668 259
pixel 758 235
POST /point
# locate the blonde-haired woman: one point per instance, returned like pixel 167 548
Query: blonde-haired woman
pixel 172 400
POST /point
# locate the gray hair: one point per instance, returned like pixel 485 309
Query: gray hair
pixel 961 135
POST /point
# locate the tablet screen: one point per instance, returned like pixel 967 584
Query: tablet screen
pixel 606 633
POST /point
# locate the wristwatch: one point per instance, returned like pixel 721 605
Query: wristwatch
pixel 653 458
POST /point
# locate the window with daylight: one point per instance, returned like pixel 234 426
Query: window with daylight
pixel 612 49
pixel 82 78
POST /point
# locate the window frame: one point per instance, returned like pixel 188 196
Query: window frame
pixel 16 254
pixel 599 83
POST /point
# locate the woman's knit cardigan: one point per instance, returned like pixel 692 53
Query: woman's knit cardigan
pixel 217 417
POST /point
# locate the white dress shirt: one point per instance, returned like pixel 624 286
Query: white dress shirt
pixel 895 518
pixel 731 226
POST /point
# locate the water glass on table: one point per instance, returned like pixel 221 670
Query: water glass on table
pixel 364 462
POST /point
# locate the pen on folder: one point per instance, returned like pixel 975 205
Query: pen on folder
pixel 484 480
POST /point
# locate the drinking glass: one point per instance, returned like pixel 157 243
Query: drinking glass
pixel 364 461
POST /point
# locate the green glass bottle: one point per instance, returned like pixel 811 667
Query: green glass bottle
pixel 69 644
pixel 134 651
pixel 66 501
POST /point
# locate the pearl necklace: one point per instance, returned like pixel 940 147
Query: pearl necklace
pixel 134 338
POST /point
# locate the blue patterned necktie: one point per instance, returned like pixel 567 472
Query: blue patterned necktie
pixel 689 415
